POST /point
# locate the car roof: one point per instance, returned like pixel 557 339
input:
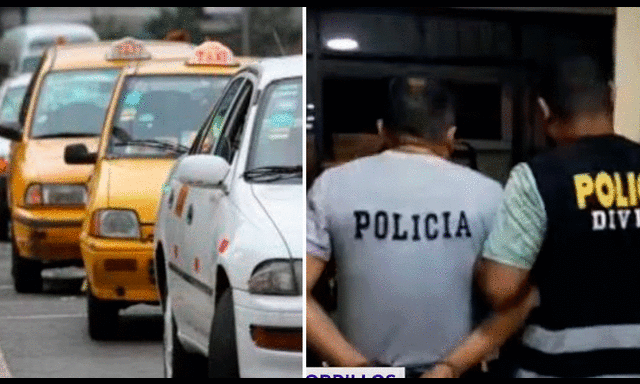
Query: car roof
pixel 93 55
pixel 271 69
pixel 179 66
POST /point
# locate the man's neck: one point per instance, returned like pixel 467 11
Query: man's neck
pixel 588 125
pixel 413 144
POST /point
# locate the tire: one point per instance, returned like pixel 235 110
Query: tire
pixel 5 217
pixel 103 318
pixel 4 226
pixel 223 352
pixel 177 361
pixel 5 214
pixel 27 274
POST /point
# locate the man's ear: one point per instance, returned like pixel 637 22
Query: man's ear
pixel 389 139
pixel 546 111
pixel 451 134
pixel 612 93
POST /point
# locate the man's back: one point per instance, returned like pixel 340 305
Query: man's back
pixel 405 230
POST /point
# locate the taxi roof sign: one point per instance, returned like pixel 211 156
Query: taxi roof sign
pixel 212 53
pixel 128 49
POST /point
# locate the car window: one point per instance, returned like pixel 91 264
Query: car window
pixel 216 122
pixel 30 64
pixel 26 101
pixel 277 137
pixel 4 70
pixel 154 111
pixel 73 103
pixel 229 141
pixel 10 108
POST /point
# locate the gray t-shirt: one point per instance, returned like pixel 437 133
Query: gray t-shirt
pixel 405 230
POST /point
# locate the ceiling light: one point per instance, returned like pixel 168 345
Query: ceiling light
pixel 343 44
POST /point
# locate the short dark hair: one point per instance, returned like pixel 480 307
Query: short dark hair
pixel 574 85
pixel 420 106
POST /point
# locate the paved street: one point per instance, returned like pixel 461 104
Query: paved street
pixel 45 335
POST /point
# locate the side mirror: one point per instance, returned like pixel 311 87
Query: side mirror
pixel 204 170
pixel 11 131
pixel 79 154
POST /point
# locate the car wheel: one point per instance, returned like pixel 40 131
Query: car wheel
pixel 5 215
pixel 4 226
pixel 27 274
pixel 177 361
pixel 103 317
pixel 223 353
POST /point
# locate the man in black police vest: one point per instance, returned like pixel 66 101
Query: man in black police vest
pixel 570 224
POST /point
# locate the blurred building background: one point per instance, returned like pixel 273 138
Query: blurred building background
pixel 489 55
pixel 256 31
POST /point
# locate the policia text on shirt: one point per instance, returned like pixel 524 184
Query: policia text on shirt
pixel 615 193
pixel 415 225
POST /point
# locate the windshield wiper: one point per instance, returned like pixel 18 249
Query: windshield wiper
pixel 64 135
pixel 273 173
pixel 178 148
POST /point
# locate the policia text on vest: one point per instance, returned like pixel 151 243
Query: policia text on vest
pixel 615 193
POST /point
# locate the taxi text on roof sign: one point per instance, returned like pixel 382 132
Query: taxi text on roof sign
pixel 128 49
pixel 212 53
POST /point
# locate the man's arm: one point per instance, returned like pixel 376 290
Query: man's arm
pixel 502 285
pixel 490 335
pixel 322 333
pixel 503 273
pixel 514 241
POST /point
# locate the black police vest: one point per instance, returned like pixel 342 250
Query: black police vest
pixel 588 269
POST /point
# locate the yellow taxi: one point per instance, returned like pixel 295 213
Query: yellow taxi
pixel 65 103
pixel 157 109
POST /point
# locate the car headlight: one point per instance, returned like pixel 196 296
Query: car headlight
pixel 116 223
pixel 56 194
pixel 277 277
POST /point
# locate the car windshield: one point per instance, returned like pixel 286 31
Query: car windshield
pixel 73 103
pixel 276 149
pixel 11 103
pixel 160 115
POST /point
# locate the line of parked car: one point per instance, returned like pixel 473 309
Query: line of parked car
pixel 173 174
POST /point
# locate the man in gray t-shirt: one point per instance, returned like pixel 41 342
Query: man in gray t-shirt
pixel 405 228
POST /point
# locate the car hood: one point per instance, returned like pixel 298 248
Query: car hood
pixel 137 184
pixel 284 204
pixel 44 160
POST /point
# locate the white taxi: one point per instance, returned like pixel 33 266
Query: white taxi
pixel 228 242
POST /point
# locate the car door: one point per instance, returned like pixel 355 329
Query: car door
pixel 209 219
pixel 191 292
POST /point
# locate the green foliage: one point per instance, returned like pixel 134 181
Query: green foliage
pixel 183 18
pixel 108 28
pixel 267 20
pixel 271 29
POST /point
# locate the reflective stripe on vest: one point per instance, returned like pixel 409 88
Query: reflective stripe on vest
pixel 583 339
pixel 590 351
pixel 525 374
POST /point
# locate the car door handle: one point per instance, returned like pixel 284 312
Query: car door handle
pixel 189 215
